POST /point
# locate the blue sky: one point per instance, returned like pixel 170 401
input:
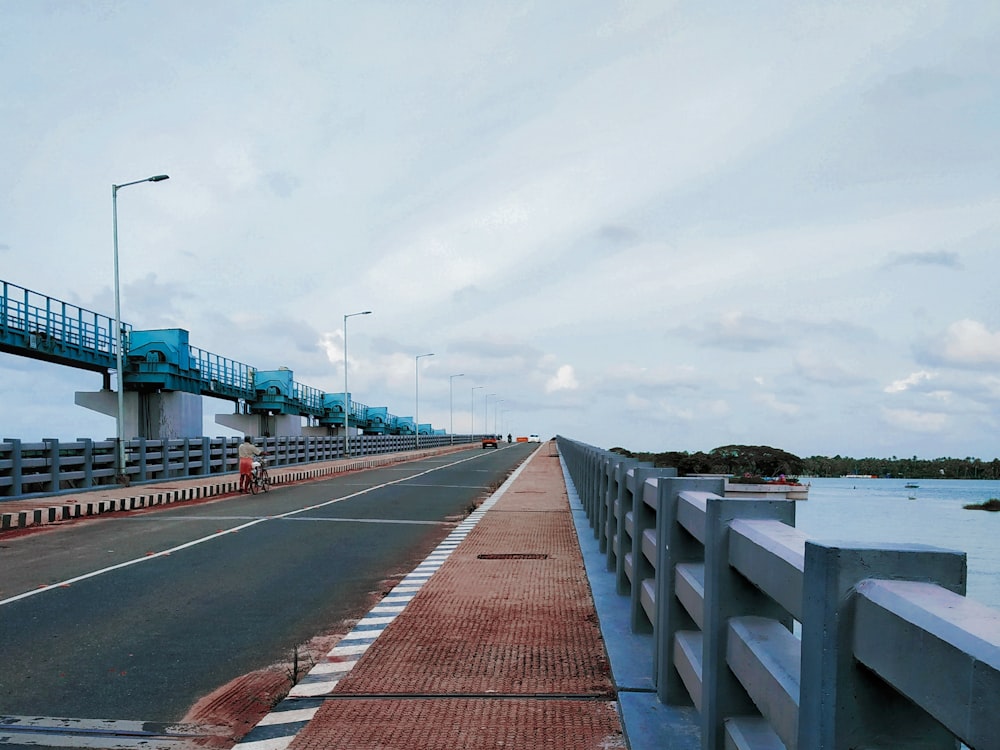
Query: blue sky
pixel 660 225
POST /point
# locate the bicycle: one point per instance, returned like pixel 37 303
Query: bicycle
pixel 259 480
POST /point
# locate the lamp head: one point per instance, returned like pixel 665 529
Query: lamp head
pixel 159 178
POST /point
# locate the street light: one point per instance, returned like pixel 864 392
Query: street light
pixel 347 397
pixel 496 407
pixel 472 410
pixel 119 423
pixel 416 409
pixel 451 405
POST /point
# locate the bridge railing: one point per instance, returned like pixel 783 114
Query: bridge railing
pixel 222 375
pixel 35 321
pixel 52 467
pixel 781 641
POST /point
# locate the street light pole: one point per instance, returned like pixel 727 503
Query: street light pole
pixel 416 408
pixel 451 405
pixel 117 332
pixel 472 410
pixel 496 407
pixel 347 397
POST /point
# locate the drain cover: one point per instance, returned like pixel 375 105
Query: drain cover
pixel 514 556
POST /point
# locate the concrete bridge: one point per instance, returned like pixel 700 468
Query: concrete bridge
pixel 761 638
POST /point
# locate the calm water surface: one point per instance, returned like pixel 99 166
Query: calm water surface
pixel 880 510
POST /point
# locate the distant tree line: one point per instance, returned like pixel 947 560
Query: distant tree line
pixel 765 461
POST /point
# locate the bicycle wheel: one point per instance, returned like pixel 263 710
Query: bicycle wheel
pixel 265 481
pixel 254 479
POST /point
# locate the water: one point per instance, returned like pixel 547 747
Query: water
pixel 880 510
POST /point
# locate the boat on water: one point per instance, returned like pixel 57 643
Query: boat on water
pixel 911 486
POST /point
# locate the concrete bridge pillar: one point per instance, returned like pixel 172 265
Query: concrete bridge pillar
pixel 156 416
pixel 269 425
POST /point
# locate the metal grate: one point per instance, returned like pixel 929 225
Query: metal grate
pixel 513 556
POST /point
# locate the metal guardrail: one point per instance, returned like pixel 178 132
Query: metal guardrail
pixel 52 467
pixel 781 641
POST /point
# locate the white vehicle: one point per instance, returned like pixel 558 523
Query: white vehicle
pixel 533 439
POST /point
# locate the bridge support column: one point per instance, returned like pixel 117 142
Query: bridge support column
pixel 269 425
pixel 156 416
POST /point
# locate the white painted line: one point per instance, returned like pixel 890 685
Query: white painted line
pixel 401 599
pixel 312 690
pixel 376 621
pixel 362 635
pixel 327 668
pixel 277 743
pixel 287 717
pixel 359 648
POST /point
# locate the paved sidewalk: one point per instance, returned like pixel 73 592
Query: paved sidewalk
pixel 69 506
pixel 492 642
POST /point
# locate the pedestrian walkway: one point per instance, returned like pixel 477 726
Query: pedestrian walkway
pixel 68 506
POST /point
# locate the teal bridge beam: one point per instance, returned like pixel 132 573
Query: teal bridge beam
pixel 41 327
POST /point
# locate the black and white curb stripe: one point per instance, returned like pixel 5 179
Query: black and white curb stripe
pixel 277 730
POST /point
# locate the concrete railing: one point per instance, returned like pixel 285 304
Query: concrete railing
pixel 51 467
pixel 780 641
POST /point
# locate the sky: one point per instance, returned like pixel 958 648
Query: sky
pixel 655 224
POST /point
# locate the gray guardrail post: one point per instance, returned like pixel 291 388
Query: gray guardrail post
pixel 643 519
pixel 675 546
pixel 728 594
pixel 842 704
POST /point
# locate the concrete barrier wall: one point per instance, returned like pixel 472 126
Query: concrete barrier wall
pixel 52 467
pixel 780 641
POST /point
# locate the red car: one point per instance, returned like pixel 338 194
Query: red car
pixel 490 441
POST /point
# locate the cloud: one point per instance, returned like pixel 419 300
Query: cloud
pixel 941 259
pixel 828 369
pixel 904 384
pixel 617 235
pixel 915 421
pixel 563 380
pixel 739 331
pixel 771 401
pixel 965 343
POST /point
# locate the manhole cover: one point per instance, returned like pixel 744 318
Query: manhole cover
pixel 513 556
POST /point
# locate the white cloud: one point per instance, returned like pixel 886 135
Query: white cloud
pixel 970 342
pixel 563 380
pixel 914 379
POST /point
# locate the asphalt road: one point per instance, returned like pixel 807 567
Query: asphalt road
pixel 138 616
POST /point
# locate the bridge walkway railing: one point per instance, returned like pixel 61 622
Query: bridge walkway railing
pixel 45 328
pixel 782 641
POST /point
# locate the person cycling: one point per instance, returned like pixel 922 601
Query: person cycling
pixel 247 452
